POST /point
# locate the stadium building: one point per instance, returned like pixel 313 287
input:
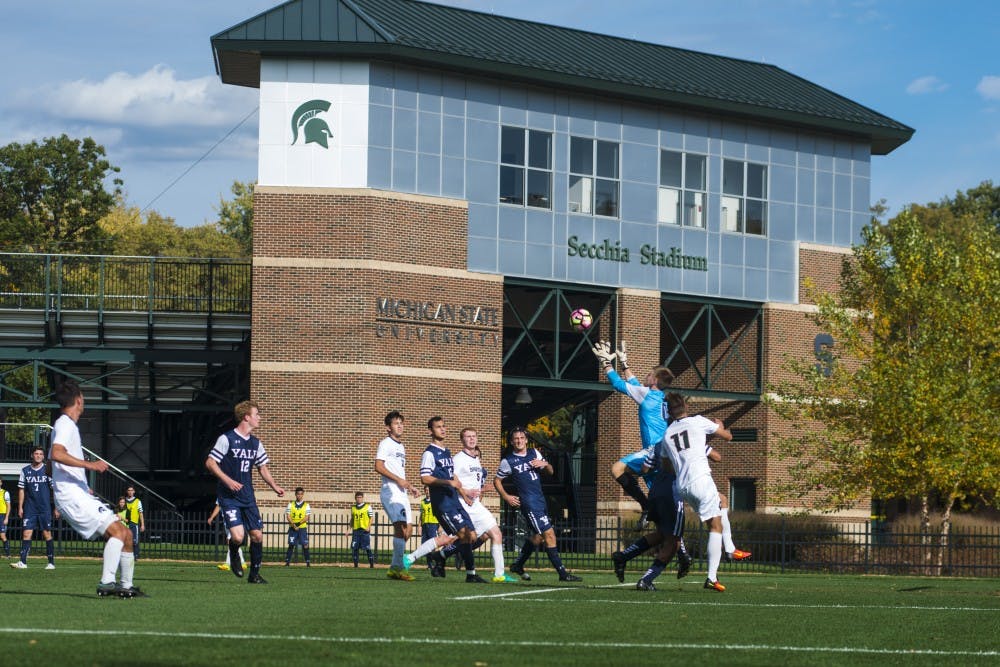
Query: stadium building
pixel 439 188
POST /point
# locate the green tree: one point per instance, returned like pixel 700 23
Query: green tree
pixel 53 193
pixel 908 404
pixel 236 216
pixel 159 236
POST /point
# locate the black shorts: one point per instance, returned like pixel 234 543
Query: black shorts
pixel 668 514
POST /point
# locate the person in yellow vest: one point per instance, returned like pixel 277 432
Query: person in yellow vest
pixel 361 526
pixel 4 511
pixel 121 510
pixel 429 527
pixel 297 516
pixel 134 518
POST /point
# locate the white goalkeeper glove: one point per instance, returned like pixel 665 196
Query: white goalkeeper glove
pixel 603 352
pixel 622 356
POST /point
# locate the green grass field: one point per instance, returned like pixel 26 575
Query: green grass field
pixel 198 615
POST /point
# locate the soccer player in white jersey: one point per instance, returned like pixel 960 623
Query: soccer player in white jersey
pixel 683 447
pixel 470 472
pixel 82 510
pixel 390 462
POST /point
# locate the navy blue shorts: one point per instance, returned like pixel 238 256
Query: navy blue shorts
pixel 452 515
pixel 37 522
pixel 537 518
pixel 668 514
pixel 247 516
pixel 361 539
pixel 299 536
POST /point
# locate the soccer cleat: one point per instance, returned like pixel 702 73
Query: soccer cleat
pixel 569 577
pixel 236 565
pixel 255 578
pixel 401 575
pixel 714 586
pixel 288 564
pixel 618 559
pixel 474 579
pixel 643 585
pixel 504 579
pixel 50 566
pixel 437 564
pixel 104 590
pixel 223 566
pixel 643 522
pixel 408 561
pixel 738 555
pixel 683 565
pixel 131 592
pixel 18 565
pixel 519 571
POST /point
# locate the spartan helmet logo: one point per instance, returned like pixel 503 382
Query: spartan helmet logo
pixel 315 130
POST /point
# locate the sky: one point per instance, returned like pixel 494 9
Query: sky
pixel 139 77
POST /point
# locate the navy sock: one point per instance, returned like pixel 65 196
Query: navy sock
pixel 50 550
pixel 526 551
pixel 636 548
pixel 465 549
pixel 631 487
pixel 305 553
pixel 556 561
pixel 654 571
pixel 25 550
pixel 256 555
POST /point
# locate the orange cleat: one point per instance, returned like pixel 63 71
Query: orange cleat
pixel 740 555
pixel 714 586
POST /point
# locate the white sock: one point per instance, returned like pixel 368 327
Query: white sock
pixel 127 565
pixel 112 557
pixel 398 547
pixel 727 532
pixel 714 555
pixel 496 550
pixel 424 549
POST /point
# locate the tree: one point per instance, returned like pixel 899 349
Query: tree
pixel 53 194
pixel 236 216
pixel 160 236
pixel 908 403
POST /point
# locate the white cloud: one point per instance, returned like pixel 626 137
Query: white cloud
pixel 926 84
pixel 989 87
pixel 155 98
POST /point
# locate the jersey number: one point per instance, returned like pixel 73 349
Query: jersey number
pixel 244 466
pixel 678 437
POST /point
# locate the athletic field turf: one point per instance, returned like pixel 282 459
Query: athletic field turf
pixel 198 615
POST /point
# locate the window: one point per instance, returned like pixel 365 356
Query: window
pixel 681 197
pixel 594 177
pixel 743 495
pixel 744 195
pixel 525 167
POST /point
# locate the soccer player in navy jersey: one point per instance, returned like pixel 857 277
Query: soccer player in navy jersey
pixel 437 471
pixel 232 460
pixel 523 465
pixel 34 500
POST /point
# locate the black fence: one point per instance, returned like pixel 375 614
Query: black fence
pixel 859 548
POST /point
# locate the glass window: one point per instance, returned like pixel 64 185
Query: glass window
pixel 756 181
pixel 670 168
pixel 682 189
pixel 593 190
pixel 732 178
pixel 694 209
pixel 518 185
pixel 694 177
pixel 669 206
pixel 744 201
pixel 732 216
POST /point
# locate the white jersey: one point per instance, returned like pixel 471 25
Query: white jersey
pixel 393 453
pixel 66 433
pixel 683 446
pixel 469 471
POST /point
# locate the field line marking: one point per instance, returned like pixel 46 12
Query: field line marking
pixel 131 631
pixel 789 605
pixel 511 594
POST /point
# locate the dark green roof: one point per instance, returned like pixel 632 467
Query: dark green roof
pixel 429 35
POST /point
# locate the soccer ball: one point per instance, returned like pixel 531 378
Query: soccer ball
pixel 581 319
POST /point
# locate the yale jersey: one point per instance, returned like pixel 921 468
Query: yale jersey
pixel 237 457
pixel 438 463
pixel 361 516
pixel 526 479
pixel 37 487
pixel 299 514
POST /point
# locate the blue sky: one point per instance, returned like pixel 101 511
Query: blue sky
pixel 139 78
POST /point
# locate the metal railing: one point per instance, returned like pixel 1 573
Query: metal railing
pixel 854 548
pixel 115 283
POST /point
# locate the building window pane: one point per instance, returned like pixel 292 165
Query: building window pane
pixel 742 495
pixel 756 214
pixel 694 209
pixel 511 185
pixel 756 181
pixel 668 206
pixel 539 189
pixel 670 169
pixel 539 150
pixel 732 178
pixel 694 179
pixel 732 215
pixel 581 156
pixel 606 198
pixel 512 145
pixel 607 159
pixel 581 192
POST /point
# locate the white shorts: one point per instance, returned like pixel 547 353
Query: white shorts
pixel 88 515
pixel 703 497
pixel 396 504
pixel 482 519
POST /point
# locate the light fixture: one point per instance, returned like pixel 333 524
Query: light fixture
pixel 523 397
